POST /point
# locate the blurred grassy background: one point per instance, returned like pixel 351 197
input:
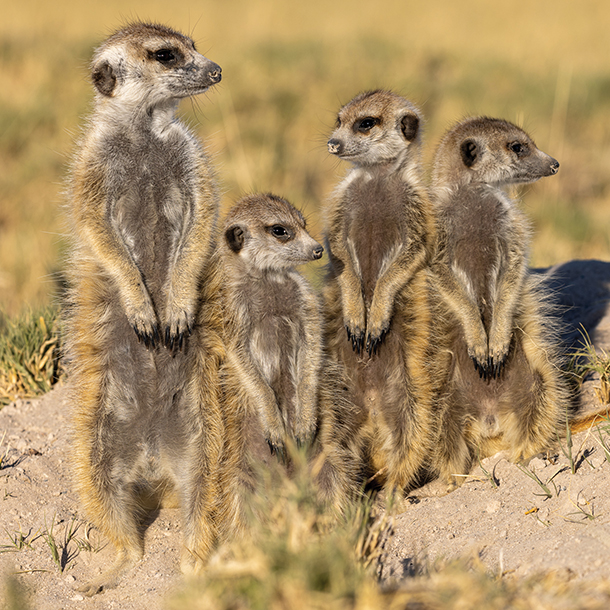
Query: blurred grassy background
pixel 287 68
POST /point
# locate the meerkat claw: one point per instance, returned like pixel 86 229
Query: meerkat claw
pixel 357 339
pixel 277 450
pixel 374 343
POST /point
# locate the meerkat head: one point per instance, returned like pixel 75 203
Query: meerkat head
pixel 490 151
pixel 148 64
pixel 377 127
pixel 268 234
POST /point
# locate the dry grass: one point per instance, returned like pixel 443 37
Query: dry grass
pixel 299 557
pixel 287 68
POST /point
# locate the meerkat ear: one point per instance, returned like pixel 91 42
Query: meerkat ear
pixel 470 152
pixel 235 237
pixel 409 125
pixel 104 78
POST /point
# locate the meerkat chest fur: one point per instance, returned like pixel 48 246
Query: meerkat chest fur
pixel 376 223
pixel 272 306
pixel 151 193
pixel 478 223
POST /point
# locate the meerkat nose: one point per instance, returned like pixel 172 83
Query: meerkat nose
pixel 215 73
pixel 334 146
pixel 554 166
pixel 317 252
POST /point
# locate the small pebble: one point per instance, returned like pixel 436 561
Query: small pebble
pixel 493 507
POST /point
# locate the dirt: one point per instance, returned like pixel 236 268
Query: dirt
pixel 512 523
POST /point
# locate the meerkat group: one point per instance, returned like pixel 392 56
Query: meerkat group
pixel 199 352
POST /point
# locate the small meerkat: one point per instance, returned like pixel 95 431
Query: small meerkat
pixel 514 396
pixel 380 229
pixel 274 338
pixel 144 205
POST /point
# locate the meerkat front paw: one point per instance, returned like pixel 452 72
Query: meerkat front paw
pixel 375 337
pixel 498 353
pixel 354 319
pixel 278 448
pixel 480 364
pixel 178 328
pixel 478 352
pixel 143 320
pixel 304 430
pixel 356 336
pixel 379 319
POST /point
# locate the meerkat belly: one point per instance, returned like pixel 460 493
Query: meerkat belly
pixel 477 250
pixel 276 335
pixel 153 205
pixel 375 231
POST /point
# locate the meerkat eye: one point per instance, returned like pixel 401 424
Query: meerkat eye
pixel 518 148
pixel 365 125
pixel 282 233
pixel 164 56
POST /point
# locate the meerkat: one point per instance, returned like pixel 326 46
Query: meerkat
pixel 380 229
pixel 143 205
pixel 276 369
pixel 514 397
pixel 274 338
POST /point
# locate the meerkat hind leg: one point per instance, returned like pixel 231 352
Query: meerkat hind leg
pixel 125 561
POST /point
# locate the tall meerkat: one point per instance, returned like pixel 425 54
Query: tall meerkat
pixel 513 397
pixel 143 204
pixel 380 232
pixel 274 330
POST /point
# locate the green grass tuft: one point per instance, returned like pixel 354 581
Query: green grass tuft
pixel 29 354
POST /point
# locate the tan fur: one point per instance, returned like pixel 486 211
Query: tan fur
pixel 380 232
pixel 336 460
pixel 148 422
pixel 490 311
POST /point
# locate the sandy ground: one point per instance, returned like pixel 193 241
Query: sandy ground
pixel 500 513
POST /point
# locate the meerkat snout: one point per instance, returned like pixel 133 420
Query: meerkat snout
pixel 215 74
pixel 335 146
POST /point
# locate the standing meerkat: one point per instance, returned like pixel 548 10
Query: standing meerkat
pixel 513 397
pixel 274 330
pixel 380 232
pixel 143 204
pixel 277 376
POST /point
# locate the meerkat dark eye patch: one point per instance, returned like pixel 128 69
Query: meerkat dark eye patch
pixel 365 125
pixel 104 78
pixel 520 149
pixel 235 237
pixel 409 125
pixel 280 232
pixel 167 57
pixel 470 152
